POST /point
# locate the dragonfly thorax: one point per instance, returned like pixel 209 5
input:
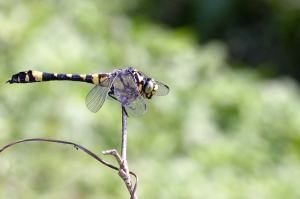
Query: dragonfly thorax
pixel 128 86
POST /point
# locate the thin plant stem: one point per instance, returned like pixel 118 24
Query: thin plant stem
pixel 124 170
pixel 124 133
pixel 113 152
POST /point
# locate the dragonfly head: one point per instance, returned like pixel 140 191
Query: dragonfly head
pixel 149 88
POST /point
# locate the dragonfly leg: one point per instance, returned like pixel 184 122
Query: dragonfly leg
pixel 125 111
pixel 112 96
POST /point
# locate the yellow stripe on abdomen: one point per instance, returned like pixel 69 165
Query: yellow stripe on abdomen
pixel 38 76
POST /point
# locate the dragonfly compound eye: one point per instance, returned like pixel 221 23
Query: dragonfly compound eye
pixel 128 86
pixel 150 88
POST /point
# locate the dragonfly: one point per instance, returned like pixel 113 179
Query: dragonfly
pixel 127 86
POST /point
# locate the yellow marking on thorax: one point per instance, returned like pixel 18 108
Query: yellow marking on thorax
pixel 140 88
pixel 140 78
pixel 38 76
pixel 83 77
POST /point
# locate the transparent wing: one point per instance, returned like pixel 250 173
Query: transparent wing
pixel 96 97
pixel 137 107
pixel 126 92
pixel 162 89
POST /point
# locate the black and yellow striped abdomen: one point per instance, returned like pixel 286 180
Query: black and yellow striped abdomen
pixel 36 76
pixel 128 86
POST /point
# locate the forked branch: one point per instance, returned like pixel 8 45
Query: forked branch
pixel 77 146
pixel 123 170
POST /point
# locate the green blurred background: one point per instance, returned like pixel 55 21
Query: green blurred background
pixel 229 128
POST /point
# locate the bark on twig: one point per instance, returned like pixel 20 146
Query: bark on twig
pixel 123 167
pixel 123 170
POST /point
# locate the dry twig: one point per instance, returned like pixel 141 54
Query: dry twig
pixel 123 169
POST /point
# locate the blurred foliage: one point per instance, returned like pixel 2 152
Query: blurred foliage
pixel 265 34
pixel 219 133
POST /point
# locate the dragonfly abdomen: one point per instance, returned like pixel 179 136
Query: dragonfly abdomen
pixel 36 76
pixel 127 86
